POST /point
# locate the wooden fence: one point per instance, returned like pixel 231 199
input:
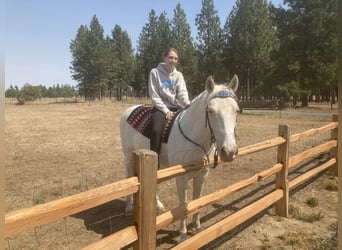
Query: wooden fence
pixel 143 233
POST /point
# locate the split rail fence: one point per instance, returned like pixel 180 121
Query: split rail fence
pixel 142 234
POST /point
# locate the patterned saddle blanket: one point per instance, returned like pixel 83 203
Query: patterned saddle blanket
pixel 141 119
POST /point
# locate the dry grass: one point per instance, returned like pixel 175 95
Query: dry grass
pixel 56 150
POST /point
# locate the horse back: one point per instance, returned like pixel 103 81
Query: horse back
pixel 131 139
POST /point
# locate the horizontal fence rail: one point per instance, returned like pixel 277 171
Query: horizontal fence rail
pixel 143 233
pixel 27 218
pixel 227 224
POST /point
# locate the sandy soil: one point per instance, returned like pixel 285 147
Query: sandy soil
pixel 55 150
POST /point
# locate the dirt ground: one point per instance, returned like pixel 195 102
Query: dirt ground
pixel 56 150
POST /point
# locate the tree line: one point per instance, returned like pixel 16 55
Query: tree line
pixel 32 93
pixel 288 52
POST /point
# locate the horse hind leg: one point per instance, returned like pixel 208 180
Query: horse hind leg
pixel 129 205
pixel 129 198
pixel 129 173
pixel 159 204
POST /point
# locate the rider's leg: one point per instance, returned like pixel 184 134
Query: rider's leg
pixel 158 118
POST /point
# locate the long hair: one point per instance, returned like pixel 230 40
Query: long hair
pixel 168 51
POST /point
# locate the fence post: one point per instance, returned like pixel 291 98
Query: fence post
pixel 281 206
pixel 144 213
pixel 333 152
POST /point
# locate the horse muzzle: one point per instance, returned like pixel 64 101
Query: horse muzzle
pixel 228 155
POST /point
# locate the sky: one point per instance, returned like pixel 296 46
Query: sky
pixel 38 32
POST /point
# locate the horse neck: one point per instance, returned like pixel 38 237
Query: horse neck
pixel 193 123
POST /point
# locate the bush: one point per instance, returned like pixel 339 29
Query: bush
pixel 28 93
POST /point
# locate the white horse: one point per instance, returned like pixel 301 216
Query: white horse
pixel 211 118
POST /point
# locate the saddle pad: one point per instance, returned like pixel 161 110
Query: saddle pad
pixel 141 117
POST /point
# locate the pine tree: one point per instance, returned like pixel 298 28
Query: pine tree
pixel 154 40
pixel 182 41
pixel 121 61
pixel 97 58
pixel 249 40
pixel 148 44
pixel 89 59
pixel 163 36
pixel 79 52
pixel 208 41
pixel 307 58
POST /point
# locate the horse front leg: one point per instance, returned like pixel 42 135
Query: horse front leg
pixel 181 183
pixel 198 183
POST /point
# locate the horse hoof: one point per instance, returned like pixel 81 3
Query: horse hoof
pixel 198 228
pixel 161 209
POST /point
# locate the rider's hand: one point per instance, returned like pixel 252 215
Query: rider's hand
pixel 169 115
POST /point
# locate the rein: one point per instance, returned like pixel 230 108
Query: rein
pixel 220 94
pixel 189 139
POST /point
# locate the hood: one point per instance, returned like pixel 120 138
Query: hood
pixel 161 68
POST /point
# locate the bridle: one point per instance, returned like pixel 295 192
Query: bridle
pixel 220 94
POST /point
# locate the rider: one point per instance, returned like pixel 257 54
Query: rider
pixel 168 93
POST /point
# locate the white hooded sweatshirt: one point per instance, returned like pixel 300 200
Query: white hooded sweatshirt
pixel 167 90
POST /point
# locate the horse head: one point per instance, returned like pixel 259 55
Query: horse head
pixel 222 109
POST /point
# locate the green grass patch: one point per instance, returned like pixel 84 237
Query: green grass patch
pixel 312 202
pixel 307 217
pixel 331 186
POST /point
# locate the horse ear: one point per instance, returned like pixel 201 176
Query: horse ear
pixel 234 83
pixel 210 84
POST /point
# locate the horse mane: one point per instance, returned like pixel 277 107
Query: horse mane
pixel 204 96
pixel 200 97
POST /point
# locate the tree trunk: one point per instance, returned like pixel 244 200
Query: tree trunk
pixel 305 102
pixel 248 84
